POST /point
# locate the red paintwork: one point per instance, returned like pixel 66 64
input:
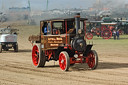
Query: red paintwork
pixel 120 32
pixel 111 27
pixel 103 27
pixel 73 60
pixel 62 61
pixel 49 53
pixel 106 34
pixel 89 36
pixel 92 30
pixel 68 47
pixel 35 57
pixel 90 60
pixel 56 32
pixel 97 31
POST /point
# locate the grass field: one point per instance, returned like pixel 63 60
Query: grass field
pixel 99 40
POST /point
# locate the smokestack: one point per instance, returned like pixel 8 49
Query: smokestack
pixel 77 22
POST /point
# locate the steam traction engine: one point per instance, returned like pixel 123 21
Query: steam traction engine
pixel 63 40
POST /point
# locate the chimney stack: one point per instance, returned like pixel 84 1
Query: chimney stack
pixel 77 22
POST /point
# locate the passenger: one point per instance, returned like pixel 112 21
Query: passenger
pixel 45 29
pixel 55 31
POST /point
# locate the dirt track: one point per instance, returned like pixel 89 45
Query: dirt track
pixel 17 68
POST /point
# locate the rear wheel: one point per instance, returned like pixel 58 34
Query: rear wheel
pixel 106 34
pixel 92 59
pixel 16 47
pixel 38 57
pixel 64 61
pixel 0 48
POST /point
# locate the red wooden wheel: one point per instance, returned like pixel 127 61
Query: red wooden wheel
pixel 64 61
pixel 37 56
pixel 89 36
pixel 103 27
pixel 92 59
pixel 106 34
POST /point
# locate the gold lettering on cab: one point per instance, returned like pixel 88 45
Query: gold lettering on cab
pixel 58 38
pixel 55 41
pixel 51 39
pixel 55 38
pixel 54 45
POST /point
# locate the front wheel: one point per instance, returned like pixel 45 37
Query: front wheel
pixel 0 48
pixel 38 57
pixel 64 61
pixel 16 47
pixel 92 59
pixel 106 34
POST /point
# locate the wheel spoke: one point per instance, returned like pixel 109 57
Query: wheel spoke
pixel 37 51
pixel 35 55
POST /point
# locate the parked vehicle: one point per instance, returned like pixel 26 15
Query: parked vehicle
pixel 8 39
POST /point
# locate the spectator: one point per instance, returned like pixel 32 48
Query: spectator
pixel 114 34
pixel 117 34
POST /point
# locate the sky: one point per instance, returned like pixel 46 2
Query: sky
pixel 53 4
pixel 41 4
